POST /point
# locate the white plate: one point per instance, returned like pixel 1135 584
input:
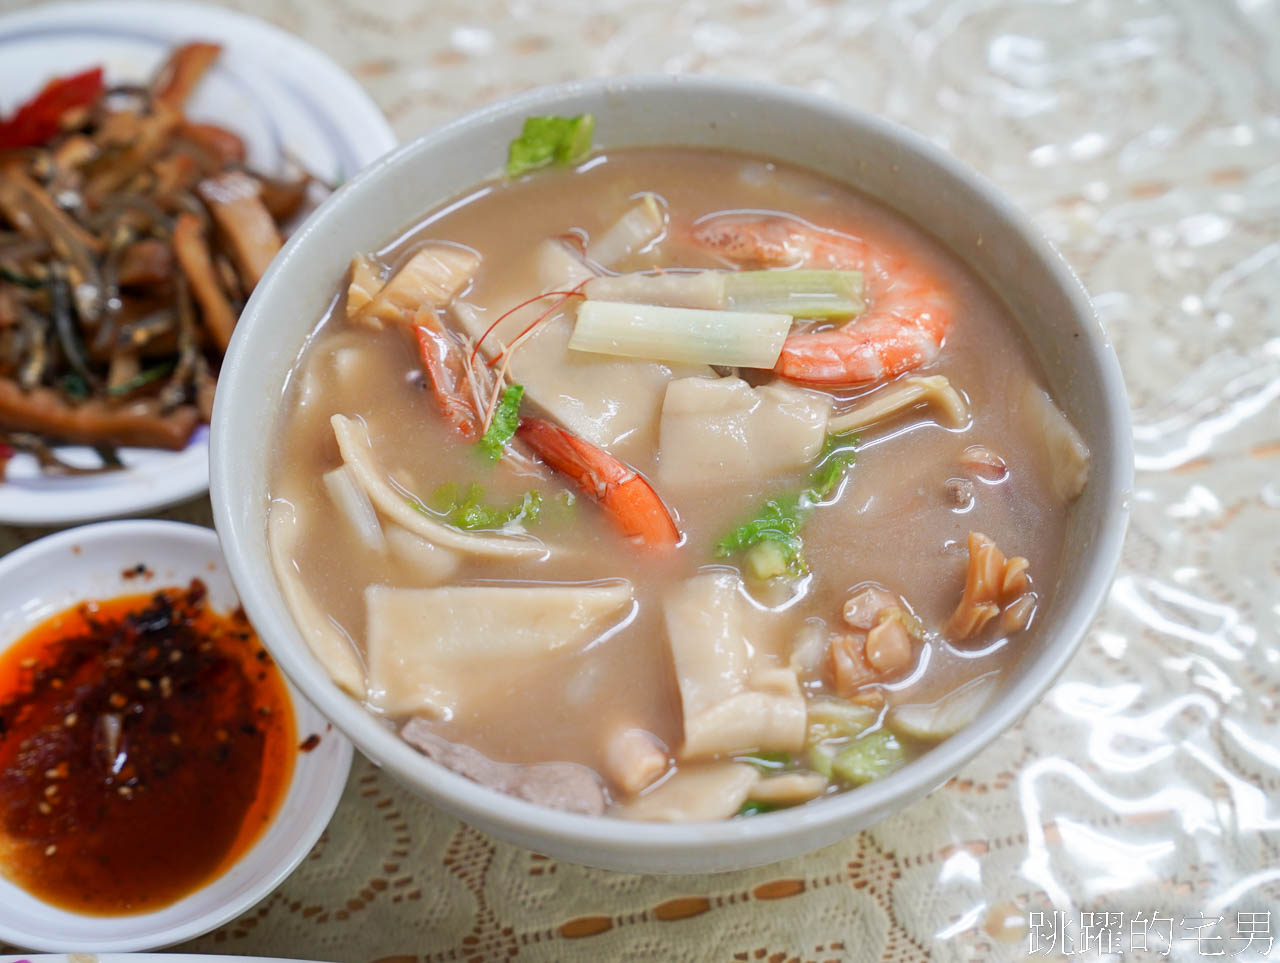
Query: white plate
pixel 140 958
pixel 60 570
pixel 282 96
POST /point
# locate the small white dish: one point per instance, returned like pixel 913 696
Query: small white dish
pixel 140 958
pixel 48 576
pixel 284 97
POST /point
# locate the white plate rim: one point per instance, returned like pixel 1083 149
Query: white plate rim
pixel 336 104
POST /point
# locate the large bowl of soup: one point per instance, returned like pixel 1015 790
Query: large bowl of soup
pixel 670 474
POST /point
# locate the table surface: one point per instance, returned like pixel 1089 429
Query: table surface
pixel 1144 138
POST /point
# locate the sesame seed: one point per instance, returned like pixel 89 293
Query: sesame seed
pixel 45 808
pixel 144 685
pixel 50 849
pixel 70 720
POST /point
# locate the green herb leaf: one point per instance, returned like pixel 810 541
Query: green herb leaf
pixel 506 419
pixel 144 377
pixel 469 511
pixel 752 807
pixel 549 140
pixel 838 456
pixel 780 519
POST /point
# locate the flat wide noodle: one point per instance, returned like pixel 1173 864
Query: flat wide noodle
pixel 730 705
pixel 431 649
pixel 328 644
pixel 713 791
pixel 718 429
pixel 1063 450
pixel 357 452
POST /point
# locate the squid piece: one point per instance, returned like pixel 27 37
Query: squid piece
pixel 366 281
pixel 431 650
pixel 935 391
pixel 234 199
pixel 992 583
pixel 644 223
pixel 635 759
pixel 331 646
pixel 1063 451
pixel 713 791
pixel 428 561
pixel 429 279
pixel 789 788
pixel 713 429
pixel 731 701
pixel 357 452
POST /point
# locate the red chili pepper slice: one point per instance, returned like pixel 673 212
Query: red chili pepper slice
pixel 40 118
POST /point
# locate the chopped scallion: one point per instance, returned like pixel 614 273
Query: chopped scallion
pixel 688 335
pixel 869 757
pixel 801 294
pixel 467 510
pixel 772 536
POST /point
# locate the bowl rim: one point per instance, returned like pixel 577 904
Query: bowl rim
pixel 276 865
pixel 612 835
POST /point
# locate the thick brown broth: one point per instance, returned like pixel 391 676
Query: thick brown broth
pixel 894 523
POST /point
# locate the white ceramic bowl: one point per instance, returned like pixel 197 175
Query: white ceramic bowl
pixel 901 169
pixel 53 574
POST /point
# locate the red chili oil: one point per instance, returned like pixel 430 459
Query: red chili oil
pixel 145 744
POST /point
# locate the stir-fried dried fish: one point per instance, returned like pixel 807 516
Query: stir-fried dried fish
pixel 130 237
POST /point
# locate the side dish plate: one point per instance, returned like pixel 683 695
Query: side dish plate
pixel 50 575
pixel 284 97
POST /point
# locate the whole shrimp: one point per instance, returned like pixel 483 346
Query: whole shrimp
pixel 908 311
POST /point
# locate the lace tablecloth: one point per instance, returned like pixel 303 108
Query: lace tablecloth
pixel 1137 805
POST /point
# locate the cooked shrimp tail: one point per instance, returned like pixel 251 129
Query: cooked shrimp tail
pixel 908 315
pixel 629 500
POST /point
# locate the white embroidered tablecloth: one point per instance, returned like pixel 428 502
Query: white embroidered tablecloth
pixel 1144 138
